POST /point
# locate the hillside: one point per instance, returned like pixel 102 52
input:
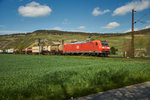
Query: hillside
pixel 48 37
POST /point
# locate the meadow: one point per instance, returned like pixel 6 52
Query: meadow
pixel 34 77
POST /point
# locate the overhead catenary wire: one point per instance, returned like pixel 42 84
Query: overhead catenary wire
pixel 139 20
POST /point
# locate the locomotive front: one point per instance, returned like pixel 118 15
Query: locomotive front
pixel 105 48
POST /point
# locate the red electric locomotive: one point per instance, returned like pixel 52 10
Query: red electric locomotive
pixel 95 47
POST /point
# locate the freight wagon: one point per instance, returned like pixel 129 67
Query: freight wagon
pixel 95 47
pixel 46 50
pixel 27 51
pixel 9 51
pixel 37 49
pixel 1 51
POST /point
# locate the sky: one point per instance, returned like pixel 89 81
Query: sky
pixel 100 16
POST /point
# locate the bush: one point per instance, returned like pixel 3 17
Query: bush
pixel 148 48
pixel 126 49
pixel 20 48
pixel 113 50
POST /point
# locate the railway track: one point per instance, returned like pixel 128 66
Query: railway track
pixel 125 57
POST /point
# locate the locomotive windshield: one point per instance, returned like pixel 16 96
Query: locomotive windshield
pixel 104 43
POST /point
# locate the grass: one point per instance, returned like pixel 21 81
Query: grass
pixel 26 77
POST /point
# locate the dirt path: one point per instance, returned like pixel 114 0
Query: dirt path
pixel 133 92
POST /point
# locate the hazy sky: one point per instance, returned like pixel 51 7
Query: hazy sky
pixel 102 16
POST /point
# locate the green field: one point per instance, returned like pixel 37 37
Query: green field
pixel 34 77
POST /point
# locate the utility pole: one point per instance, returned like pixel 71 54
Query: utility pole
pixel 39 45
pixel 132 35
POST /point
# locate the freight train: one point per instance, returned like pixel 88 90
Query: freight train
pixel 94 47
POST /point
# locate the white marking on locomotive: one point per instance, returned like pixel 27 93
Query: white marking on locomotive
pixel 77 47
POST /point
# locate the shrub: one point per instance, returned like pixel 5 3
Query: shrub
pixel 113 50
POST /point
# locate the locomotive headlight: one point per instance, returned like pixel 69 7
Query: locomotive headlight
pixel 108 47
pixel 103 47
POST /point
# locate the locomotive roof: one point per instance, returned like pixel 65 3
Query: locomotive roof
pixel 80 42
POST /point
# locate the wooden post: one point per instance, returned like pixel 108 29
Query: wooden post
pixel 39 45
pixel 132 35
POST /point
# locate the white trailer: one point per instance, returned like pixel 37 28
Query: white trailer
pixel 37 49
pixel 10 50
pixel 1 51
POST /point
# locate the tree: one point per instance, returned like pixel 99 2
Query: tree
pixel 148 48
pixel 20 48
pixel 113 50
pixel 126 49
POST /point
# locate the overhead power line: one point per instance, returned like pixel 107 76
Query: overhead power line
pixel 139 20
